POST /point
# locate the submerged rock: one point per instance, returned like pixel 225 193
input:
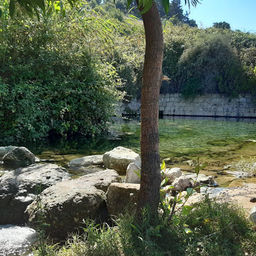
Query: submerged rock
pixel 66 204
pixel 15 240
pixel 19 188
pixel 80 164
pixel 18 157
pixel 119 158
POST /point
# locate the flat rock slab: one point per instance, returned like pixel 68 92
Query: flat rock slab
pixel 19 188
pixel 86 161
pixel 15 240
pixel 66 204
pixel 122 197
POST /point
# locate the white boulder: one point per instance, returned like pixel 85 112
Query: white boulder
pixel 119 158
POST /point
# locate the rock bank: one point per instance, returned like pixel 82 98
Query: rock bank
pixel 66 204
pixel 18 188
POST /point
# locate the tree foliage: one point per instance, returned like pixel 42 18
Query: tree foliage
pixel 54 77
pixel 222 25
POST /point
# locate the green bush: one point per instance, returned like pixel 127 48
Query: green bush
pixel 201 61
pixel 53 82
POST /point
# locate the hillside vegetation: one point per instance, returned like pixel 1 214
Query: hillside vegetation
pixel 62 73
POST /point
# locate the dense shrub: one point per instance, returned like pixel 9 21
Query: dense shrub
pixel 211 60
pixel 52 79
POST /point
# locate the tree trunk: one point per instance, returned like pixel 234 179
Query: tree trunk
pixel 152 75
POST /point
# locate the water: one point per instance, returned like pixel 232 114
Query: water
pixel 216 142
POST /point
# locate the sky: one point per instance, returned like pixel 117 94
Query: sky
pixel 240 14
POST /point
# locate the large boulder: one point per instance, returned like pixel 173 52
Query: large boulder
pixel 19 188
pixel 15 240
pixel 119 158
pixel 82 164
pixel 65 205
pixel 18 157
pixel 122 197
pixel 5 150
pixel 133 173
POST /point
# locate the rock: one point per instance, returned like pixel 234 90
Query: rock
pixel 202 179
pixel 172 174
pixel 18 189
pixel 240 174
pixel 239 196
pixel 5 150
pixel 18 157
pixel 120 196
pixel 133 173
pixel 80 163
pixel 253 200
pixel 182 183
pixel 252 216
pixel 66 204
pixel 86 170
pixel 119 158
pixel 15 240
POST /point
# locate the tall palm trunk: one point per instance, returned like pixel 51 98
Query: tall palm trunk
pixel 152 74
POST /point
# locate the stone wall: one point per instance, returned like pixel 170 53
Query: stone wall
pixel 207 105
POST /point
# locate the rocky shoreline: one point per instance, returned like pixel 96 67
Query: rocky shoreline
pixel 30 189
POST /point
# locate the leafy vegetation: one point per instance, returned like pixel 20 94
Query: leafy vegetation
pixel 61 74
pixel 212 60
pixel 209 229
pixel 53 81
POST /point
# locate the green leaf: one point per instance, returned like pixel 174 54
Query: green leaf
pixel 186 209
pixel 163 166
pixel 190 191
pixel 129 2
pixel 145 6
pixel 166 5
pixel 187 230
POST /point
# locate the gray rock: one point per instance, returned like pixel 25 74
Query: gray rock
pixel 5 150
pixel 172 174
pixel 120 196
pixel 252 216
pixel 15 240
pixel 86 170
pixel 182 183
pixel 202 179
pixel 72 201
pixel 133 173
pixel 119 158
pixel 86 161
pixel 18 189
pixel 18 157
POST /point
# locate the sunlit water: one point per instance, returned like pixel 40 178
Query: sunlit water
pixel 216 142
